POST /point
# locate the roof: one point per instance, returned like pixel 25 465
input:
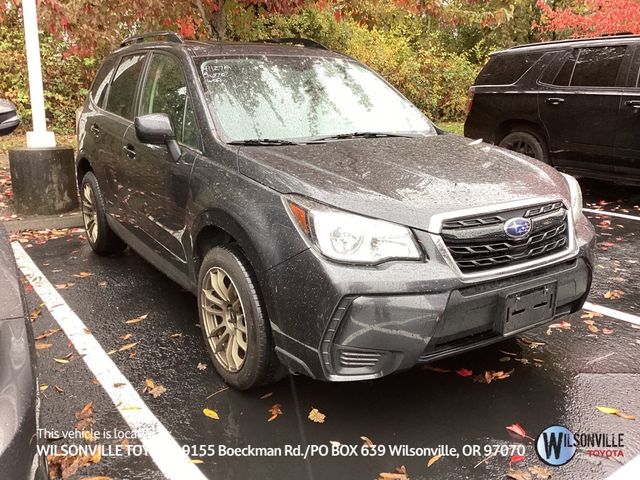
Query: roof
pixel 577 42
pixel 278 46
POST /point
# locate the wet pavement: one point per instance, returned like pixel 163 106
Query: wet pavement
pixel 558 379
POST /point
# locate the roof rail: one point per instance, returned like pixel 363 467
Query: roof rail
pixel 305 42
pixel 617 36
pixel 168 36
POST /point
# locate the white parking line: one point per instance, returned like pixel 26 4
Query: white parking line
pixel 611 214
pixel 160 445
pixel 610 312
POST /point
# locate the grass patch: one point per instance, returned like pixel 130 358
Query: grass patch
pixel 452 127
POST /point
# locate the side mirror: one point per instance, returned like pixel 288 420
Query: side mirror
pixel 9 119
pixel 156 129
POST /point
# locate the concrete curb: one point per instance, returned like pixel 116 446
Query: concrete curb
pixel 43 222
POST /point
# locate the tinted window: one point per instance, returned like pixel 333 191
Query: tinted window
pixel 563 76
pixel 165 91
pixel 507 69
pixel 122 92
pixel 598 67
pixel 101 82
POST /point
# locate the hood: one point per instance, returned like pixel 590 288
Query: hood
pixel 402 180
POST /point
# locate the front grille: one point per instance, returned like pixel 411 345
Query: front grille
pixel 479 243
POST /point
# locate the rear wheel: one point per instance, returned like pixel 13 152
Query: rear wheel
pixel 234 321
pixel 102 239
pixel 527 143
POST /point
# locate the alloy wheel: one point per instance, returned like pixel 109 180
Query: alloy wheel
pixel 521 146
pixel 89 213
pixel 224 319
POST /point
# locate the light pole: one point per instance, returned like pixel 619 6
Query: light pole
pixel 39 137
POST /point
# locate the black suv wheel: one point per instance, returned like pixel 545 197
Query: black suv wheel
pixel 234 321
pixel 102 239
pixel 527 143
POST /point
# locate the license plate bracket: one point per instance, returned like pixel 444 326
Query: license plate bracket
pixel 526 307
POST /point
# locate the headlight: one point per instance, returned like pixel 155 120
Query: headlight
pixel 576 196
pixel 351 238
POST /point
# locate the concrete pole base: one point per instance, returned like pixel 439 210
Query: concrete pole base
pixel 43 180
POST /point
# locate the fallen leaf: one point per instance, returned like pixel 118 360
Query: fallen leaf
pixel 607 331
pixel 201 366
pixel 367 441
pixel 516 459
pixel 132 407
pixel 508 353
pixel 211 413
pixel 275 411
pixel 615 411
pixel 589 314
pixel 137 319
pixel 316 416
pixel 518 430
pixel 519 475
pixel 126 336
pixel 593 328
pixel 43 346
pixel 266 395
pixel 613 294
pixel 43 387
pixel 176 335
pixel 58 389
pixel 435 369
pixel 504 359
pixel 196 461
pixel 149 384
pixel 63 361
pixel 156 391
pixel 128 346
pixel 433 460
pixel 399 474
pixel 35 313
pixel 541 473
pixel 102 284
pixel 463 372
pixel 96 478
pixel 47 333
pixel 82 274
pixel 64 286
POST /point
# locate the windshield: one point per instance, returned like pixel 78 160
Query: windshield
pixel 294 98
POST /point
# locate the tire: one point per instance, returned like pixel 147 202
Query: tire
pixel 233 320
pixel 527 143
pixel 102 239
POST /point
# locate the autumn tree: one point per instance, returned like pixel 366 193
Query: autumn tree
pixel 590 17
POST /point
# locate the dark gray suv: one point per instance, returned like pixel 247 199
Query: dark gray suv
pixel 326 226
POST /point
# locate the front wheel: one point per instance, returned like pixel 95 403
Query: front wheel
pixel 526 143
pixel 234 321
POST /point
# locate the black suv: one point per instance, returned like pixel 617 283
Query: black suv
pixel 574 104
pixel 325 225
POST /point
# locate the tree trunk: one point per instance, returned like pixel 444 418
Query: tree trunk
pixel 219 22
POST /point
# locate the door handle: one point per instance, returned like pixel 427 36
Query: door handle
pixel 555 100
pixel 95 129
pixel 633 104
pixel 130 151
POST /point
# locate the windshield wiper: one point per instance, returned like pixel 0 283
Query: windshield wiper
pixel 263 142
pixel 342 136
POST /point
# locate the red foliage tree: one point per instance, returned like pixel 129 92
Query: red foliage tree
pixel 592 18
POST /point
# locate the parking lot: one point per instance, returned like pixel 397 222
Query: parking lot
pixel 148 327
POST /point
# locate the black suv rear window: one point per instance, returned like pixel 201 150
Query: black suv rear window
pixel 507 69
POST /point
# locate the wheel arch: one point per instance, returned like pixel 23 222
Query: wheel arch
pixel 514 125
pixel 83 166
pixel 216 227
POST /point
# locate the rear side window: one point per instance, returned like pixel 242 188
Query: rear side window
pixel 101 82
pixel 507 69
pixel 122 92
pixel 590 67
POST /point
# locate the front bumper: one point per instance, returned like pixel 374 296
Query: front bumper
pixel 341 322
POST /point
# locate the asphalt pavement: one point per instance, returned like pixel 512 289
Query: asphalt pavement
pixel 556 376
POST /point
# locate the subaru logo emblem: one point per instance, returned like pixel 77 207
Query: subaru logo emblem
pixel 517 227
